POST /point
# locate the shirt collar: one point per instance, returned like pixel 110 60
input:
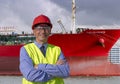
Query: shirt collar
pixel 39 45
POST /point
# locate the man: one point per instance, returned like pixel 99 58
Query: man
pixel 41 62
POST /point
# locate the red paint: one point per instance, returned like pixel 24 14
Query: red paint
pixel 86 43
pixel 92 66
pixel 84 52
pixel 10 50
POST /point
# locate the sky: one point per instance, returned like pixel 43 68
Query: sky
pixel 21 13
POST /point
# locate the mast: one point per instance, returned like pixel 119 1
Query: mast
pixel 73 16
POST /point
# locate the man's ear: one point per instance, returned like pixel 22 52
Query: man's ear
pixel 34 32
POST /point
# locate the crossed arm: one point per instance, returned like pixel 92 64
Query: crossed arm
pixel 60 69
pixel 42 72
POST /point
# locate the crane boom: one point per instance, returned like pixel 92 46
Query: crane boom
pixel 62 26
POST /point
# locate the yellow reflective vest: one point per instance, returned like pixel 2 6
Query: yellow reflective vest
pixel 52 54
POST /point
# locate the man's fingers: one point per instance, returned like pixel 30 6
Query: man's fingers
pixel 60 62
pixel 36 66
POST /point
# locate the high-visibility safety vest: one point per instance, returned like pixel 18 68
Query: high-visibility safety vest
pixel 52 54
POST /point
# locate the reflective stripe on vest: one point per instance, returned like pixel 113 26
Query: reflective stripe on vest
pixel 52 54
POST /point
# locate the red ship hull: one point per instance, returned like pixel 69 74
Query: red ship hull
pixel 86 53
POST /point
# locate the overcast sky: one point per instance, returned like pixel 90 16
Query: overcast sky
pixel 20 13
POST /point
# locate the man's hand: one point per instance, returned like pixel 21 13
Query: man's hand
pixel 36 66
pixel 60 62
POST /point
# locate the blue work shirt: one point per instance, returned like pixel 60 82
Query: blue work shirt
pixel 44 72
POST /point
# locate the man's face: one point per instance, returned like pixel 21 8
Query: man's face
pixel 42 32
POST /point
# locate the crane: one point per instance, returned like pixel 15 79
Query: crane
pixel 62 26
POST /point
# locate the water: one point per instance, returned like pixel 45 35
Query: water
pixel 70 80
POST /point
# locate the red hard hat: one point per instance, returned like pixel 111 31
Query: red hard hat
pixel 40 20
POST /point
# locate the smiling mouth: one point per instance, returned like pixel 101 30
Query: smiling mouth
pixel 44 35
